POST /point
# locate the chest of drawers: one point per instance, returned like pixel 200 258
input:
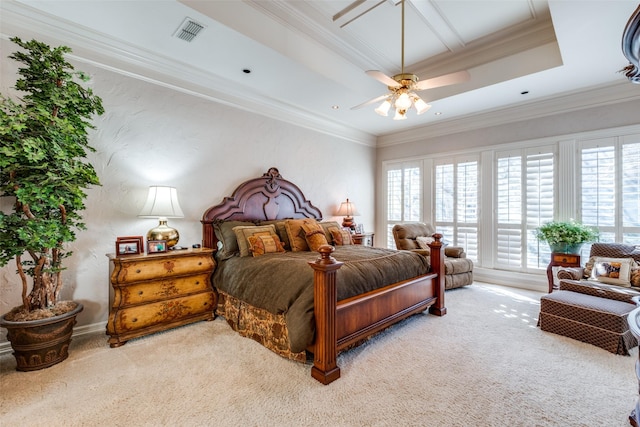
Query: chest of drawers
pixel 152 293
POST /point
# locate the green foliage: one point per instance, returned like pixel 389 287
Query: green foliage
pixel 43 149
pixel 569 232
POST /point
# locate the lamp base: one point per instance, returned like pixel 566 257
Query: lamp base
pixel 347 222
pixel 164 232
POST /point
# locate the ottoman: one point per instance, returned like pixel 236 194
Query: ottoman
pixel 588 318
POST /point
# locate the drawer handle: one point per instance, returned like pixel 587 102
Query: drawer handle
pixel 135 320
pixel 197 282
pixel 140 292
pixel 138 271
pixel 200 263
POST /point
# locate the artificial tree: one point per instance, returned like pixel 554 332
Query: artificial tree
pixel 43 168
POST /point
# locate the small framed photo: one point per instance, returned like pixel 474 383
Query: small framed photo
pixel 129 245
pixel 156 246
pixel 360 229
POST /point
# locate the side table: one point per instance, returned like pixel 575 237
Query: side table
pixel 560 260
pixel 155 292
pixel 364 239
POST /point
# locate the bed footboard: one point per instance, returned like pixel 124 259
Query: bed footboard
pixel 339 325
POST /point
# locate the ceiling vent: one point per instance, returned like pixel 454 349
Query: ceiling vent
pixel 188 30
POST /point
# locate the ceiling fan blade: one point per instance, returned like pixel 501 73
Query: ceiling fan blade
pixel 382 78
pixel 371 101
pixel 446 80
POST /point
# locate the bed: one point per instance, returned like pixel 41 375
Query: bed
pixel 309 302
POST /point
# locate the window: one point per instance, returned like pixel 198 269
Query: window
pixel 404 195
pixel 524 201
pixel 610 188
pixel 456 203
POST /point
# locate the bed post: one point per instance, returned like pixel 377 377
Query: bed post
pixel 437 265
pixel 325 300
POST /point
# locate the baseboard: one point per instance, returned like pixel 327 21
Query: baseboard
pixel 532 282
pixel 94 328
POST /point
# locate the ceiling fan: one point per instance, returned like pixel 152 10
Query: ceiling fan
pixel 403 87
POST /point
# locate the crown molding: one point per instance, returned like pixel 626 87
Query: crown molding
pixel 120 57
pixel 560 104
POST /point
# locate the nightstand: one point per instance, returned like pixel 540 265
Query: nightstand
pixel 364 239
pixel 561 260
pixel 154 292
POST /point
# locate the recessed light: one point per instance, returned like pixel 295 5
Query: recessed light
pixel 335 107
pixel 439 113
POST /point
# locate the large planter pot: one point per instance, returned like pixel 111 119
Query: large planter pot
pixel 566 248
pixel 39 344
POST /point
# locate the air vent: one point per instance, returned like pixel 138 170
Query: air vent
pixel 188 30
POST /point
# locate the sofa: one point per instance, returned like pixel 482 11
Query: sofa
pixel 594 301
pixel 414 237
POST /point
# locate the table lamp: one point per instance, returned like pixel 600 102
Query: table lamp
pixel 348 211
pixel 162 203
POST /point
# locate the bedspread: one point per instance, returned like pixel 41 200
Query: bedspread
pixel 282 283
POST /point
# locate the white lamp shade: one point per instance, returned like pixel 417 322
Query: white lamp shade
pixel 383 109
pixel 347 209
pixel 162 202
pixel 421 106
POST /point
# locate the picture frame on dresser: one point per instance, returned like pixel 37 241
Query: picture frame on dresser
pixel 360 229
pixel 156 246
pixel 129 245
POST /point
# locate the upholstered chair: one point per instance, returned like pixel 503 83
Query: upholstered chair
pixel 593 308
pixel 414 237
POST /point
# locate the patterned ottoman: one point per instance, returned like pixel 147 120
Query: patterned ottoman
pixel 588 318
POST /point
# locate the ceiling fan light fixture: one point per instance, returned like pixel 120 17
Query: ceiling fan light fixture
pixel 420 105
pixel 403 102
pixel 400 114
pixel 383 109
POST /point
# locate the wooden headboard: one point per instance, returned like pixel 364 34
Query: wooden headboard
pixel 269 197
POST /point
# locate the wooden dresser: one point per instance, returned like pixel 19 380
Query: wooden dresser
pixel 152 293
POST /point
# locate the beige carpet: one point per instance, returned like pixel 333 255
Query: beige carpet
pixel 483 364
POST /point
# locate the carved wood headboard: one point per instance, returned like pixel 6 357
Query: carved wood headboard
pixel 266 198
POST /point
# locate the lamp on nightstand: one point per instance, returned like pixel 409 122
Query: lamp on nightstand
pixel 162 203
pixel 348 211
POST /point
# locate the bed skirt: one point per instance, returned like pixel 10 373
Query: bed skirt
pixel 258 324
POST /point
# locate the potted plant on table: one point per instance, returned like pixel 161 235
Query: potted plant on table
pixel 43 172
pixel 566 236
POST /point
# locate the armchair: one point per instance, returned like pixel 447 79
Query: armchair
pixel 590 310
pixel 458 269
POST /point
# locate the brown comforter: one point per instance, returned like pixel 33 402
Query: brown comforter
pixel 282 283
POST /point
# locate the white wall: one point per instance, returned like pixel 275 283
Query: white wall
pixel 154 135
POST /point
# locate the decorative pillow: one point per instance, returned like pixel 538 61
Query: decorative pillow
pixel 423 242
pixel 615 271
pixel 314 234
pixel 227 241
pixel 296 234
pixel 340 237
pixel 635 277
pixel 326 225
pixel 280 230
pixel 243 233
pixel 260 244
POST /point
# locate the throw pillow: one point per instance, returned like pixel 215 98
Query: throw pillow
pixel 326 225
pixel 340 237
pixel 615 271
pixel 243 233
pixel 264 244
pixel 295 233
pixel 314 234
pixel 227 240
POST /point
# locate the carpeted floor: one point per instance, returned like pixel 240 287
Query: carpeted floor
pixel 483 364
